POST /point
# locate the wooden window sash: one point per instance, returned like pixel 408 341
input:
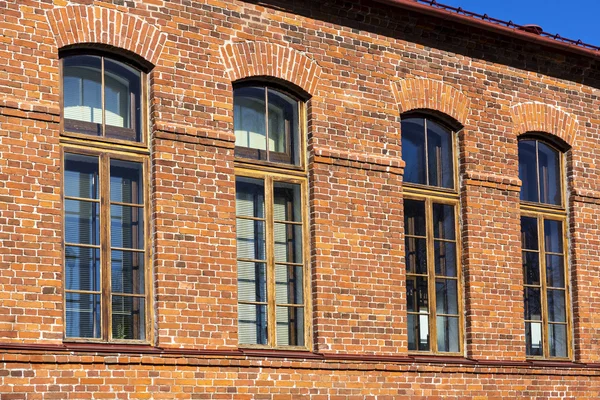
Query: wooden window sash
pixel 431 276
pixel 106 248
pixel 270 262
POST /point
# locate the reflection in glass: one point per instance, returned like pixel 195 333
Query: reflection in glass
pixel 128 318
pixel 82 268
pixel 529 233
pixel 533 339
pixel 126 182
pixel 127 272
pixel 557 340
pixel 531 268
pixel 445 258
pixel 439 152
pixel 446 296
pixel 528 170
pixel 447 334
pixel 413 150
pixel 82 311
pixel 81 176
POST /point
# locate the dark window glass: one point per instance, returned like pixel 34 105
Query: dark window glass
pixel 266 125
pixel 428 153
pixel 539 171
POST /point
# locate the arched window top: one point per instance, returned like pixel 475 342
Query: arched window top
pixel 267 124
pixel 102 97
pixel 540 171
pixel 428 150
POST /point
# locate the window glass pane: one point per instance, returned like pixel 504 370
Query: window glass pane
pixel 443 221
pixel 555 271
pixel 82 93
pixel 447 334
pixel 83 315
pixel 445 258
pixel 128 318
pixel 122 91
pixel 252 323
pixel 252 281
pixel 127 227
pixel 557 340
pixel 413 150
pixel 531 268
pixel 528 170
pixel 417 294
pixel 533 338
pixel 414 217
pixel 416 255
pixel 283 127
pixel 82 222
pixel 250 239
pixel 288 243
pixel 126 182
pixel 249 120
pixel 290 326
pixel 82 268
pixel 533 310
pixel 556 306
pixel 553 236
pixel 418 332
pixel 529 233
pixel 289 281
pixel 439 151
pixel 127 272
pixel 446 296
pixel 250 197
pixel 286 202
pixel 81 176
pixel 549 170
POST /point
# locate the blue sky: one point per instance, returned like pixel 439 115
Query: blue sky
pixel 574 19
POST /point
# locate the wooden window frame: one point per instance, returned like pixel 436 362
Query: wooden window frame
pixel 542 212
pixel 272 172
pixel 243 154
pixel 438 195
pixel 102 138
pixel 105 247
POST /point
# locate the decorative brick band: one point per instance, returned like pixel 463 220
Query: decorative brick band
pixel 420 93
pixel 92 24
pixel 540 117
pixel 248 59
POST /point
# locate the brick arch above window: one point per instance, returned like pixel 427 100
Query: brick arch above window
pixel 420 93
pixel 72 25
pixel 254 59
pixel 540 117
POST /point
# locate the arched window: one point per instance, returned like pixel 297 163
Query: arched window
pixel 271 206
pixel 102 97
pixel 544 247
pixel 105 200
pixel 432 243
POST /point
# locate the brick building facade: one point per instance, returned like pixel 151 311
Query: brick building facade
pixel 156 244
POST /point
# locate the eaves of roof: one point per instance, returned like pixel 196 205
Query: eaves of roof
pixel 431 7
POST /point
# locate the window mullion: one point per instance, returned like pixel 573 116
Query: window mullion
pixel 270 242
pixel 431 274
pixel 543 294
pixel 102 90
pixel 105 299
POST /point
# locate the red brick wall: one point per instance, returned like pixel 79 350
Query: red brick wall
pixel 363 64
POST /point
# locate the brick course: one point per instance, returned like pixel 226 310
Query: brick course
pixel 363 65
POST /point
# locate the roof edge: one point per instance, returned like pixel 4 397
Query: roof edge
pixel 431 7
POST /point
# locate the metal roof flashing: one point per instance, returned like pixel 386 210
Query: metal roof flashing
pixel 532 33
